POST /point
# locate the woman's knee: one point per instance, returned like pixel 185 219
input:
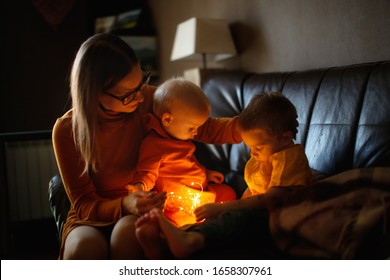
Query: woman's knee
pixel 126 222
pixel 85 242
pixel 125 227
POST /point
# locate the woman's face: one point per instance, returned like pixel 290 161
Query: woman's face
pixel 129 83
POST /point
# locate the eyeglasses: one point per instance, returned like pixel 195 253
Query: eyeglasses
pixel 129 96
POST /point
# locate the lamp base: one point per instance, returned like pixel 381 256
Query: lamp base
pixel 199 75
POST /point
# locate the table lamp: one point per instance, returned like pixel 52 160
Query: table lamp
pixel 202 39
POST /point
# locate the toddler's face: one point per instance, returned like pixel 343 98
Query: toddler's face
pixel 263 143
pixel 185 123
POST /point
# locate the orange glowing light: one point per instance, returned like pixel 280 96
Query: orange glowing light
pixel 180 204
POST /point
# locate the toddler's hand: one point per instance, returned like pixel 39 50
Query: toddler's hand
pixel 208 211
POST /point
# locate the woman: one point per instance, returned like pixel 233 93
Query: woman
pixel 96 145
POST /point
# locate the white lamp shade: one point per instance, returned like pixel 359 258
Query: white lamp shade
pixel 197 36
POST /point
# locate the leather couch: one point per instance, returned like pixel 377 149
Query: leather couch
pixel 343 114
pixel 344 124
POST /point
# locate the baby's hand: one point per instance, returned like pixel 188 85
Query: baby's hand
pixel 214 176
pixel 208 211
pixel 135 188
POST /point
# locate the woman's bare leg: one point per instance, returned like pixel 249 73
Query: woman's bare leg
pixel 85 243
pixel 124 244
pixel 181 243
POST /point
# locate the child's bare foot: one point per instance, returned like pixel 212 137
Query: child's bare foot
pixel 148 234
pixel 181 243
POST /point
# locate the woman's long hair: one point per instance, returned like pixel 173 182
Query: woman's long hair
pixel 101 62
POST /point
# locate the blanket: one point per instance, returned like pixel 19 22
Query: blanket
pixel 346 216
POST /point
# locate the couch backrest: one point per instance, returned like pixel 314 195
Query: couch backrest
pixel 343 114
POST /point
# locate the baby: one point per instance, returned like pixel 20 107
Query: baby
pixel 166 158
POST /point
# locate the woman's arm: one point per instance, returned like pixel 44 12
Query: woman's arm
pixel 87 204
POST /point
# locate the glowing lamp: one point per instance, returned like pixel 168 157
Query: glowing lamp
pixel 181 203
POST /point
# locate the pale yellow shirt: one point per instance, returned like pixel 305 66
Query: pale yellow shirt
pixel 285 168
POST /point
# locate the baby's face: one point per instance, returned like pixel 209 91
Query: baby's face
pixel 185 123
pixel 263 143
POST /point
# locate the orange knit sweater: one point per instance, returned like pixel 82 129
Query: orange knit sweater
pixel 166 163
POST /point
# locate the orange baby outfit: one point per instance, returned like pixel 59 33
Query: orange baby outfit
pixel 168 164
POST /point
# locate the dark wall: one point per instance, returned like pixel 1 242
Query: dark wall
pixel 36 59
pixel 35 63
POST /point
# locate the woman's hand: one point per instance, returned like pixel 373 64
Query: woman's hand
pixel 208 211
pixel 139 203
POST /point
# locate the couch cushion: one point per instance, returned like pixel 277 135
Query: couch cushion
pixel 306 84
pixel 59 203
pixel 330 140
pixel 372 147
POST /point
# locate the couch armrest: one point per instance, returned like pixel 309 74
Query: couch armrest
pixel 59 203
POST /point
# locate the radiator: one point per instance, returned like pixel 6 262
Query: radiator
pixel 30 166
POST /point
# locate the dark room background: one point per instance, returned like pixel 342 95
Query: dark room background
pixel 36 56
pixel 37 51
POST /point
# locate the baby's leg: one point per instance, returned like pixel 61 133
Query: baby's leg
pixel 148 234
pixel 181 243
